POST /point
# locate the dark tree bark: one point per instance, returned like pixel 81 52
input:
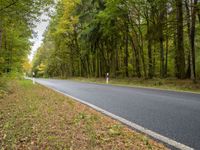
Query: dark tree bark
pixel 161 39
pixel 126 55
pixel 188 72
pixel 150 69
pixel 180 54
pixel 166 56
pixel 116 60
pixel 166 45
pixel 198 15
pixel 192 39
pixel 191 10
pixel 137 58
pixel 72 63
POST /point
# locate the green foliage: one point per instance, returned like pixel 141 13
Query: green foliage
pixel 17 20
pixel 133 38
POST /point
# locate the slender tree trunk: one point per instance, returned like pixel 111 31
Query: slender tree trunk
pixel 162 60
pixel 166 55
pixel 199 15
pixel 72 63
pixel 166 46
pixel 142 52
pixel 192 39
pixel 78 52
pixel 88 66
pixel 137 59
pixel 150 69
pixel 180 54
pixel 161 39
pixel 100 67
pixel 163 15
pixel 97 64
pixel 154 59
pixel 93 66
pixel 126 51
pixel 188 12
pixel 116 61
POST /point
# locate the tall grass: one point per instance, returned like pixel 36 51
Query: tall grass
pixel 3 86
pixel 5 79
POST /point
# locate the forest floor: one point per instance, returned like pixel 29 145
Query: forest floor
pixel 35 117
pixel 165 84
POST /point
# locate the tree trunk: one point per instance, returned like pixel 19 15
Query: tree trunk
pixel 116 61
pixel 150 69
pixel 166 55
pixel 180 54
pixel 97 64
pixel 199 15
pixel 142 53
pixel 162 60
pixel 161 39
pixel 137 59
pixel 72 62
pixel 188 12
pixel 192 40
pixel 126 51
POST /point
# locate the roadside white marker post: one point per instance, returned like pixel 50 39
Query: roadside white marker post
pixel 107 78
pixel 33 78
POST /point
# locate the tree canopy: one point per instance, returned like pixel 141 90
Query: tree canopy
pixel 127 38
pixel 17 20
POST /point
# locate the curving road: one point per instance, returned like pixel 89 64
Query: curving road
pixel 175 115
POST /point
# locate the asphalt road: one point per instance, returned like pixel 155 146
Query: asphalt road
pixel 175 115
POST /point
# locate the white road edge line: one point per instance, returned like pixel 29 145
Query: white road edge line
pixel 152 134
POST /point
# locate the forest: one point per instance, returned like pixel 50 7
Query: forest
pixel 148 50
pixel 89 38
pixel 132 38
pixel 17 21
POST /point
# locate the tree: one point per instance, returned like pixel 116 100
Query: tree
pixel 133 38
pixel 16 24
pixel 180 55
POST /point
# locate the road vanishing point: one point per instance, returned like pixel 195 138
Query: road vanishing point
pixel 169 116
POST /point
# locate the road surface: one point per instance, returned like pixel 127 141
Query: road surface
pixel 175 115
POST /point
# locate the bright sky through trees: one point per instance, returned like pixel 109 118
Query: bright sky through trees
pixel 40 29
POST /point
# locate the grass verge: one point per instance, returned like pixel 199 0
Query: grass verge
pixel 165 84
pixel 34 117
pixel 4 87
